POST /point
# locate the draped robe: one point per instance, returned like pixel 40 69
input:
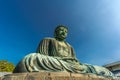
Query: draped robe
pixel 50 56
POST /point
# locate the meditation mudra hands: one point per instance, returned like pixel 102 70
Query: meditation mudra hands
pixel 67 58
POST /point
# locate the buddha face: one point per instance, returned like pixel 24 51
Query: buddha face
pixel 61 33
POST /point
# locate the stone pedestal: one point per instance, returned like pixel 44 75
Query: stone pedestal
pixel 53 76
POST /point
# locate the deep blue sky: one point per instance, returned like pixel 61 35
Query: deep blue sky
pixel 94 27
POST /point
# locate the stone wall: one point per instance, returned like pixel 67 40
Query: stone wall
pixel 53 76
pixel 4 73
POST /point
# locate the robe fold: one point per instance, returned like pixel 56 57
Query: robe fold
pixel 50 56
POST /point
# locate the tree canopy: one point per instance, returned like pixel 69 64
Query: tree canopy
pixel 6 66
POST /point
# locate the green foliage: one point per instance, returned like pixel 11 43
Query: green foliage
pixel 6 66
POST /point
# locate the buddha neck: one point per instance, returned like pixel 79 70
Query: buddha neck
pixel 61 40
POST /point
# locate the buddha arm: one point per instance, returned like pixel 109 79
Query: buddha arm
pixel 73 54
pixel 43 47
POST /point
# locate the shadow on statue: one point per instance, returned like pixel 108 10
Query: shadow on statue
pixel 56 55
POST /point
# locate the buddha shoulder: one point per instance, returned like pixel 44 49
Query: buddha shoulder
pixel 48 39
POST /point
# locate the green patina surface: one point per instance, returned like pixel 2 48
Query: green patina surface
pixel 56 55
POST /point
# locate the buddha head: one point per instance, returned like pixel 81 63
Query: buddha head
pixel 61 32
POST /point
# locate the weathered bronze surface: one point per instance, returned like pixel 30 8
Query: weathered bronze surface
pixel 56 55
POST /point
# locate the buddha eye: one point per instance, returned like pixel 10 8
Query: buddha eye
pixel 65 30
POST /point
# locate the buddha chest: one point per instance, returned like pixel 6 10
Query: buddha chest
pixel 63 49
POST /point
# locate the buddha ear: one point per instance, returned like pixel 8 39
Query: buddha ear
pixel 54 35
